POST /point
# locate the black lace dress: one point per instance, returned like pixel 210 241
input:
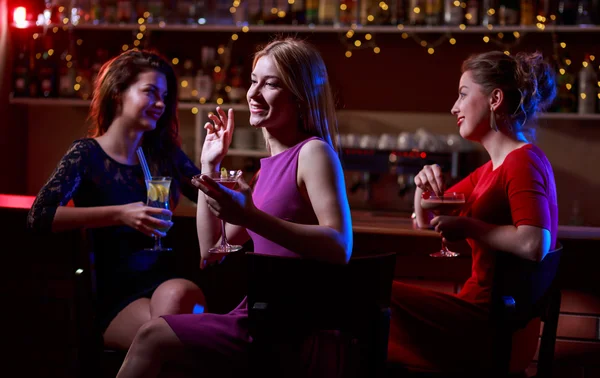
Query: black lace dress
pixel 88 176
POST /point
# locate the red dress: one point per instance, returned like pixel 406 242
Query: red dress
pixel 438 331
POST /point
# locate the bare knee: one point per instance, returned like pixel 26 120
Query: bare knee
pixel 155 340
pixel 176 296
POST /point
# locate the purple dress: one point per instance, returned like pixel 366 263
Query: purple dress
pixel 220 341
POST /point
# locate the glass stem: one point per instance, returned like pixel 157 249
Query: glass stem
pixel 444 248
pixel 157 243
pixel 223 237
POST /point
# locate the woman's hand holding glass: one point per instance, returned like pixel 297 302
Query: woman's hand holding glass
pixel 144 218
pixel 232 206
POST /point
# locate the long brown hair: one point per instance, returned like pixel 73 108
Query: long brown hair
pixel 526 80
pixel 304 73
pixel 114 78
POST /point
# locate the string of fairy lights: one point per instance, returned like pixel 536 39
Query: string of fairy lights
pixel 353 39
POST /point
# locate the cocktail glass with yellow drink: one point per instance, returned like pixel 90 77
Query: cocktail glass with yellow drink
pixel 229 180
pixel 158 196
pixel 445 204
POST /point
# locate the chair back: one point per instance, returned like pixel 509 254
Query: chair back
pixel 527 283
pixel 289 298
pixel 522 291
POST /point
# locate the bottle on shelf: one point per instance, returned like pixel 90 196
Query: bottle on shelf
pixel 490 11
pixel 398 9
pixel 527 12
pixel 433 12
pixel 298 11
pixel 588 87
pixel 237 94
pixel 187 81
pixel 68 76
pixel 416 12
pixel 472 13
pixel 21 73
pixel 311 11
pixel 566 100
pixel 567 12
pixel 584 13
pixel 509 12
pixel 204 80
pixel 47 70
pixel 453 13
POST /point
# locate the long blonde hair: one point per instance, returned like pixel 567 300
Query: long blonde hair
pixel 303 72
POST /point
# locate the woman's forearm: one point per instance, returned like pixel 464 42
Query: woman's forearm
pixel 70 218
pixel 311 241
pixel 207 225
pixel 525 241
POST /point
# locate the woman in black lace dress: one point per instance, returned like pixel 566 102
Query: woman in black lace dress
pixel 134 104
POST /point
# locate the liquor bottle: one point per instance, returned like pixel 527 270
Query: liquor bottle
pixel 254 10
pixel 348 12
pixel 186 12
pixel 67 77
pixel 416 12
pixel 84 79
pixel 453 12
pixel 490 11
pixel 472 14
pixel 312 11
pixel 110 11
pixel 567 12
pixel 47 71
pixel 187 81
pixel 204 82
pixel 367 12
pixel 588 87
pixel 238 92
pixel 21 73
pixel 298 10
pixel 125 11
pixel 527 12
pixel 398 12
pixel 584 13
pixel 433 12
pixel 566 100
pixel 545 10
pixel 509 12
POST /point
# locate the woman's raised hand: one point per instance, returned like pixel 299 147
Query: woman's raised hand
pixel 431 179
pixel 218 138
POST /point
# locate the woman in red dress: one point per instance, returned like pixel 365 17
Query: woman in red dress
pixel 511 207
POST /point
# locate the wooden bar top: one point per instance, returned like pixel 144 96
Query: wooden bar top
pixel 363 222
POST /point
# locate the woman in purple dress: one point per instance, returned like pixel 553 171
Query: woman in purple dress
pixel 298 208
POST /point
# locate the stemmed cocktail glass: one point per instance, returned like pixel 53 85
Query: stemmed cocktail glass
pixel 445 204
pixel 158 196
pixel 229 180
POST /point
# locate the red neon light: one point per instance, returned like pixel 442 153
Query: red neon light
pixel 15 201
pixel 20 17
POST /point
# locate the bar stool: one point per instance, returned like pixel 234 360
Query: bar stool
pixel 289 298
pixel 522 291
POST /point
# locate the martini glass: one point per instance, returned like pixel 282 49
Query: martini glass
pixel 446 204
pixel 229 180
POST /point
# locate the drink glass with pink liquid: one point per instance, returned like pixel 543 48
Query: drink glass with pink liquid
pixel 445 204
pixel 229 180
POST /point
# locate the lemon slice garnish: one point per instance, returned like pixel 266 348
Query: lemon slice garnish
pixel 152 192
pixel 162 192
pixel 223 173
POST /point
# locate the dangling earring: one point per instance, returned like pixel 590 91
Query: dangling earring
pixel 493 124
